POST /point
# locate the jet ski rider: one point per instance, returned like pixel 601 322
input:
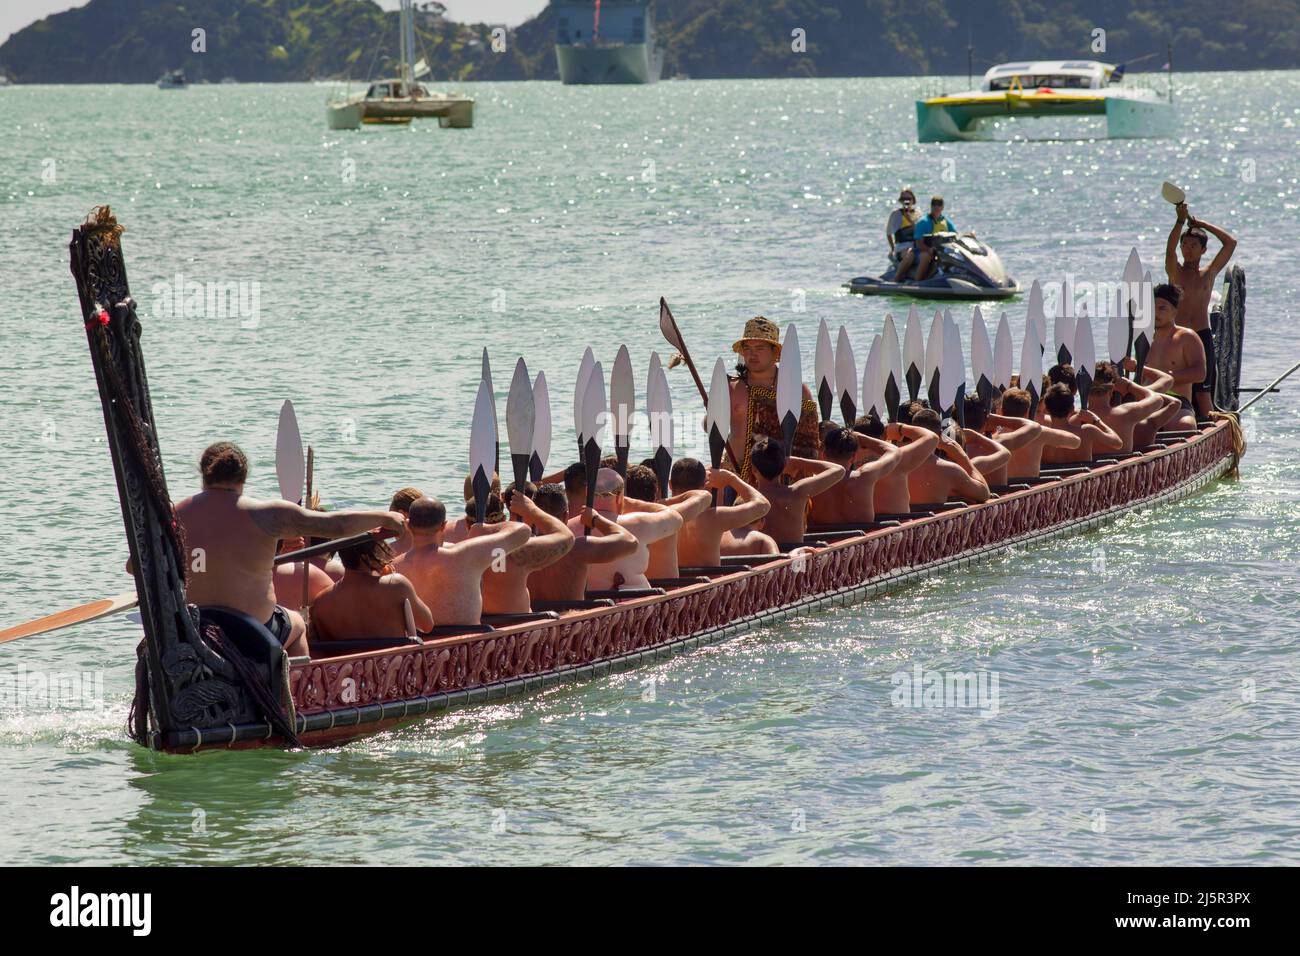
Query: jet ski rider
pixel 898 231
pixel 936 221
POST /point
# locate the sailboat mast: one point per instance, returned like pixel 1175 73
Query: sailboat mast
pixel 408 47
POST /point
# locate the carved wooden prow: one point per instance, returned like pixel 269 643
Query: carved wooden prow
pixel 183 681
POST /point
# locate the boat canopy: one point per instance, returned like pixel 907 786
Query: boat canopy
pixel 394 89
pixel 1054 74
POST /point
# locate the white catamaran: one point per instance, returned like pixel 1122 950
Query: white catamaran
pixel 398 100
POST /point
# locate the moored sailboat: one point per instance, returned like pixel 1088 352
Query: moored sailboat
pixel 398 100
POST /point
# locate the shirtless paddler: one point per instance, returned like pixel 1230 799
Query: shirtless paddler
pixel 236 538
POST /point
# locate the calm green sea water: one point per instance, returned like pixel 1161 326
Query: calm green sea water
pixel 1148 674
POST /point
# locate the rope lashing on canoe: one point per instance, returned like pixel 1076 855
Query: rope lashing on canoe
pixel 1238 437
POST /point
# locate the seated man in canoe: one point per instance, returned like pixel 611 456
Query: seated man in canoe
pixel 1011 434
pixel 1027 459
pixel 403 498
pixel 232 542
pixel 505 583
pixel 699 543
pixel 289 577
pixel 1123 404
pixel 753 398
pixel 916 446
pixel 865 461
pixel 596 540
pixel 1176 350
pixel 642 484
pixel 458 528
pixel 370 601
pixel 948 473
pixel 647 522
pixel 748 539
pixel 788 483
pixel 1095 436
pixel 449 576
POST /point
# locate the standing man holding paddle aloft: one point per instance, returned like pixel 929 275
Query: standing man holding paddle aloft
pixel 753 397
pixel 1197 285
pixel 236 537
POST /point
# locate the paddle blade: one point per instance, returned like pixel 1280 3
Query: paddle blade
pixel 1116 337
pixel 496 428
pixel 824 371
pixel 913 354
pixel 718 413
pixel 289 467
pixel 789 386
pixel 981 357
pixel 846 375
pixel 580 394
pixel 622 396
pixel 1003 355
pixel 953 376
pixel 521 421
pixel 1063 336
pixel 541 428
pixel 891 366
pixel 1036 314
pixel 1031 363
pixel 93 611
pixel 1171 193
pixel 482 448
pixel 1085 359
pixel 934 362
pixel 873 399
pixel 668 326
pixel 595 410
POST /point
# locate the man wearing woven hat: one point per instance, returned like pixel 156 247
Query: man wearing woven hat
pixel 753 395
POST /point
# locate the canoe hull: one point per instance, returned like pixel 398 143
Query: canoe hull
pixel 338 699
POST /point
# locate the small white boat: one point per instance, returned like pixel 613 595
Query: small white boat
pixel 173 80
pixel 4 80
pixel 398 100
pixel 1047 88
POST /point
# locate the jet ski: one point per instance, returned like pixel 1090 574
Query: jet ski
pixel 967 268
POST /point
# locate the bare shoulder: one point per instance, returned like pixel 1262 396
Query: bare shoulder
pixel 274 518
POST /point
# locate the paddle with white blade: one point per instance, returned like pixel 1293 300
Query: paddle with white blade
pixel 1085 358
pixel 593 418
pixel 496 429
pixel 953 376
pixel 1142 321
pixel 659 409
pixel 1003 355
pixel 934 362
pixel 1172 194
pixel 891 365
pixel 521 422
pixel 622 399
pixel 541 428
pixel 1131 295
pixel 579 394
pixel 824 373
pixel 873 399
pixel 846 378
pixel 483 445
pixel 981 359
pixel 789 387
pixel 1031 367
pixel 1036 314
pixel 717 420
pixel 289 468
pixel 1063 331
pixel 913 354
pixel 1117 339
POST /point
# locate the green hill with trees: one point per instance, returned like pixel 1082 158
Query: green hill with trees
pixel 132 41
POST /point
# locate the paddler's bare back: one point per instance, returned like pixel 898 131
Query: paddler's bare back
pixel 230 554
